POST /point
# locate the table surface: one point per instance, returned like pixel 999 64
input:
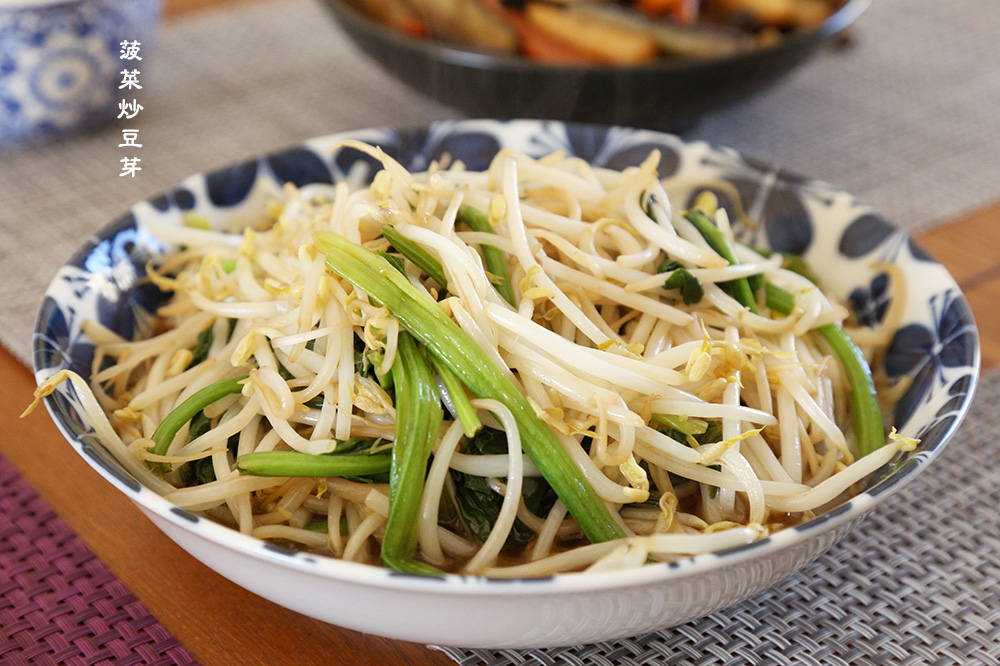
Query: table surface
pixel 270 634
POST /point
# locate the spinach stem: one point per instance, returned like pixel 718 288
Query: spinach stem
pixel 418 255
pixel 493 257
pixel 780 300
pixel 184 412
pixel 738 288
pixel 418 420
pixel 869 433
pixel 294 463
pixel 687 425
pixel 445 339
pixel 459 398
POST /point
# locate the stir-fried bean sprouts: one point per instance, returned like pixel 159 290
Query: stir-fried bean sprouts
pixel 618 385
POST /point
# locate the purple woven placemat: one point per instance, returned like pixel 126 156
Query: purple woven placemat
pixel 59 604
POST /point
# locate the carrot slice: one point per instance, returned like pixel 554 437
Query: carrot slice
pixel 536 44
pixel 603 40
pixel 544 48
pixel 683 11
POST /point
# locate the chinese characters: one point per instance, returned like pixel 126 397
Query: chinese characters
pixel 130 109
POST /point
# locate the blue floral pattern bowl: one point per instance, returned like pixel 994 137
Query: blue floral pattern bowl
pixel 935 351
pixel 60 66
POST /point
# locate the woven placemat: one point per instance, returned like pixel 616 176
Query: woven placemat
pixel 58 603
pixel 916 584
pixel 904 118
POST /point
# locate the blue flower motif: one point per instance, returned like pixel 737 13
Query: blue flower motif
pixel 300 166
pixel 870 304
pixel 958 391
pixel 585 141
pixel 932 434
pixel 112 251
pixel 475 149
pixel 777 199
pixel 409 148
pixel 349 160
pixel 112 281
pixel 865 234
pixel 924 353
pixel 59 344
pixel 178 196
pixel 230 186
pixel 415 149
pixel 611 147
pixel 784 221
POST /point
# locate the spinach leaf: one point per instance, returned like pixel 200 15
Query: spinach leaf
pixel 201 471
pixel 285 373
pixel 712 434
pixel 204 344
pixel 479 507
pixel 682 279
pixel 200 351
pixel 322 526
pixel 359 445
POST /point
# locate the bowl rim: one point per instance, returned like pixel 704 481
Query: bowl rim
pixel 454 54
pixel 465 584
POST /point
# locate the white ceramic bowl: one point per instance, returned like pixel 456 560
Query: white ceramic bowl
pixel 937 347
pixel 60 63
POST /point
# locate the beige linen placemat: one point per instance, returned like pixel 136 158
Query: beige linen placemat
pixel 905 118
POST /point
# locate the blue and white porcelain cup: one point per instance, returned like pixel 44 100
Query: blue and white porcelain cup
pixel 60 63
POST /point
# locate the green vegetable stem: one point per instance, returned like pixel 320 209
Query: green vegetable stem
pixel 418 255
pixel 686 425
pixel 493 257
pixel 459 398
pixel 868 429
pixel 184 412
pixel 418 419
pixel 780 300
pixel 293 463
pixel 446 340
pixel 739 288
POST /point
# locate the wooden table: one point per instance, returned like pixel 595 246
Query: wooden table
pixel 220 623
pixel 199 606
